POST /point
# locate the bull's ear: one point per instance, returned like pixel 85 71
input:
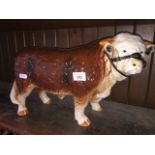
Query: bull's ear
pixel 105 41
pixel 150 47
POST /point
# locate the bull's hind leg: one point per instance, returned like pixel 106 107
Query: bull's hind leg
pixel 43 96
pixel 22 109
pixel 20 90
pixel 80 105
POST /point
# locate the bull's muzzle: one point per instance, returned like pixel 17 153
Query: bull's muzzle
pixel 139 57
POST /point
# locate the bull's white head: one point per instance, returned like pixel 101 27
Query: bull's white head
pixel 127 52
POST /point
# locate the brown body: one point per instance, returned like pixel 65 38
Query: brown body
pixel 51 69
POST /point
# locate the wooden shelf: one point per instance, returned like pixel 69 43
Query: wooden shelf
pixel 39 24
pixel 58 119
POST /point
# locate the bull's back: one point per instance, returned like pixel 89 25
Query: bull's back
pixel 52 69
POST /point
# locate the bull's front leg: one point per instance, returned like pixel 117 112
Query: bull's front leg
pixel 80 105
pixel 96 105
pixel 97 98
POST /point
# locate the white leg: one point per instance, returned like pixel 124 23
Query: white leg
pixel 43 96
pixel 105 94
pixel 96 106
pixel 22 109
pixel 80 116
pixel 95 103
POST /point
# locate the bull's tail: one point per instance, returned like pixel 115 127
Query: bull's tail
pixel 14 93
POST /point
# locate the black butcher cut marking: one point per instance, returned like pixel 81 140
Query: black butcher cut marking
pixel 30 67
pixel 68 66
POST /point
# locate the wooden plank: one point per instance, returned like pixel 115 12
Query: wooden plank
pixel 8 51
pixel 29 38
pixel 5 54
pixel 38 38
pixel 42 24
pixel 105 31
pixel 120 90
pixel 58 119
pixel 75 37
pixel 19 40
pixel 62 38
pixel 90 34
pixel 11 53
pixel 139 82
pixel 15 42
pixel 2 69
pixel 151 87
pixel 50 38
pixel 124 28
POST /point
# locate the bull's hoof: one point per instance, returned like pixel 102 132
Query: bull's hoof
pixel 23 112
pixel 100 109
pixel 49 102
pixel 85 123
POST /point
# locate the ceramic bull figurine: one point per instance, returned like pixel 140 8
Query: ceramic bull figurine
pixel 87 72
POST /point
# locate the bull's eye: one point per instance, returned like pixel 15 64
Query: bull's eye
pixel 109 48
pixel 124 51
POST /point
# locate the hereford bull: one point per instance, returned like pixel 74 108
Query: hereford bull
pixel 87 72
